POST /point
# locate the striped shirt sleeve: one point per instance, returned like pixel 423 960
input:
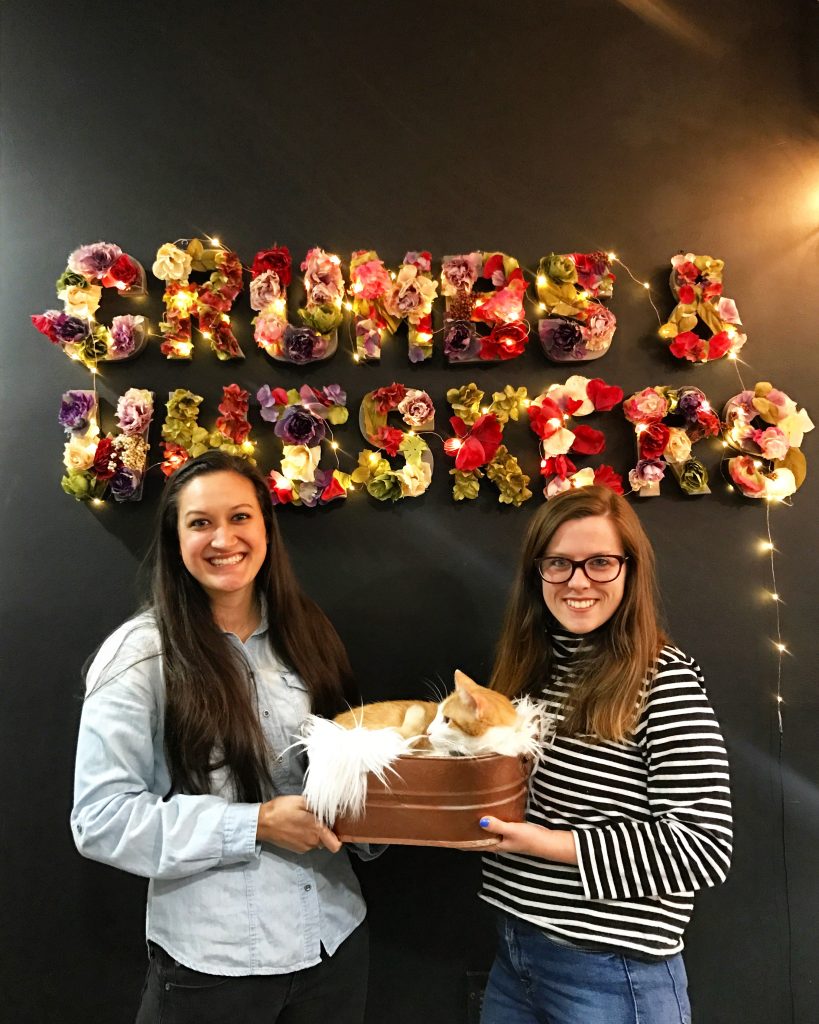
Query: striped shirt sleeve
pixel 685 845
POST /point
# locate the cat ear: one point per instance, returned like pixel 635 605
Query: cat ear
pixel 470 693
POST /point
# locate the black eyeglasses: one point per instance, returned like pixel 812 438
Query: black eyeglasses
pixel 597 568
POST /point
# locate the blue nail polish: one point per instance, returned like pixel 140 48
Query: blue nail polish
pixel 484 822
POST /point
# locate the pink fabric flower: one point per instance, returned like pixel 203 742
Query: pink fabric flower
pixel 646 406
pixel 772 442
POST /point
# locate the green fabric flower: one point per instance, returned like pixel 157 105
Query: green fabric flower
pixel 385 486
pixel 506 404
pixel 466 402
pixel 322 318
pixel 68 279
pixel 560 269
pixel 412 448
pixel 693 477
pixel 504 471
pixel 337 414
pixel 83 486
pixel 466 485
pixel 94 347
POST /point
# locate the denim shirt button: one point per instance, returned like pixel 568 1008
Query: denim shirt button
pixel 79 830
pixel 266 713
pixel 307 888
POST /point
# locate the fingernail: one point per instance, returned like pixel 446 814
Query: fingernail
pixel 484 822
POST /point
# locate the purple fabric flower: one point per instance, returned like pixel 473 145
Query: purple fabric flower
pixel 418 259
pixel 70 329
pixel 309 492
pixel 689 402
pixel 127 333
pixel 94 260
pixel 460 341
pixel 647 471
pixel 76 410
pixel 303 345
pixel 135 410
pixel 561 339
pixel 462 271
pixel 335 394
pixel 299 426
pixel 416 354
pixel 125 484
pixel 267 400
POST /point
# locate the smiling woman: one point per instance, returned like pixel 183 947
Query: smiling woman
pixel 186 773
pixel 629 808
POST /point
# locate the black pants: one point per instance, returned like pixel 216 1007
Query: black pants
pixel 334 990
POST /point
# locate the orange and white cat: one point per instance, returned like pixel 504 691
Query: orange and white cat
pixel 472 720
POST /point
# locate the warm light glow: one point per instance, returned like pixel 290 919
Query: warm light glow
pixel 98 501
pixel 358 287
pixel 611 256
pixel 646 285
pixel 555 422
pixel 216 242
pixel 94 369
pixel 456 444
pixel 641 427
pixel 542 307
pixel 411 433
pixel 541 280
pixel 766 545
pixel 334 445
pixel 184 348
pixel 424 336
pixel 335 259
pixel 724 444
pixel 485 409
pixel 247 446
pixel 781 648
pixel 706 406
pixel 526 402
pixel 206 334
pixel 779 700
pixel 374 458
pixel 774 596
pixel 120 285
pixel 348 305
pixel 356 358
pixel 74 356
pixel 732 355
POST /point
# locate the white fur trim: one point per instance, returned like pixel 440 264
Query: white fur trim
pixel 339 759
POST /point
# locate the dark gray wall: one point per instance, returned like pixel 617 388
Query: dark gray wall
pixel 638 126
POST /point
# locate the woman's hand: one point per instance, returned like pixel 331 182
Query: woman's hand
pixel 286 822
pixel 524 837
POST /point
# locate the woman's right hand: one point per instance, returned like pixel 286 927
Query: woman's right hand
pixel 285 821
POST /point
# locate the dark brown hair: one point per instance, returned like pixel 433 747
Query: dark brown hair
pixel 211 720
pixel 614 659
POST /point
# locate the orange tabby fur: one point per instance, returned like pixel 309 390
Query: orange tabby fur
pixel 470 708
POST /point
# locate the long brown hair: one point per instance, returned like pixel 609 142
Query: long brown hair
pixel 613 660
pixel 211 721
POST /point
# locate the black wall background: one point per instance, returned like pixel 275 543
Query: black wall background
pixel 638 126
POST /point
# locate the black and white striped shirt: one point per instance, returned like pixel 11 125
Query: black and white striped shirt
pixel 651 818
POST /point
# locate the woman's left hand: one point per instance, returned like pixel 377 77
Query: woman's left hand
pixel 524 837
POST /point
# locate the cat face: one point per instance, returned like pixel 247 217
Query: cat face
pixel 472 720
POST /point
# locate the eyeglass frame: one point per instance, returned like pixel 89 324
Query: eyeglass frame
pixel 581 564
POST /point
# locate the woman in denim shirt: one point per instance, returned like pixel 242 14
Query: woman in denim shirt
pixel 185 774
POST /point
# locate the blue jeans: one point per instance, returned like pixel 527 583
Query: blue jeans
pixel 537 981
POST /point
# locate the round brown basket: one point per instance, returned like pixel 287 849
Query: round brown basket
pixel 438 801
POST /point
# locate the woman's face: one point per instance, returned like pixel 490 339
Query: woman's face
pixel 581 605
pixel 222 536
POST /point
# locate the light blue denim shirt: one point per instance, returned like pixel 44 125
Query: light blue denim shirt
pixel 218 901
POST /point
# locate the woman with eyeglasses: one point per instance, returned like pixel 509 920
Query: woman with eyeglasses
pixel 629 808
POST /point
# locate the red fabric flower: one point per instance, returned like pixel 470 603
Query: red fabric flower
pixel 688 346
pixel 388 398
pixel 712 290
pixel 651 442
pixel 279 396
pixel 558 465
pixel 545 418
pixel 107 462
pixel 45 325
pixel 719 345
pixel 587 441
pixel 605 476
pixel 122 271
pixel 708 423
pixel 492 266
pixel 474 447
pixel 276 259
pixel 688 272
pixel 505 341
pixel 686 294
pixel 173 457
pixel 388 438
pixel 281 489
pixel 603 396
pixel 334 489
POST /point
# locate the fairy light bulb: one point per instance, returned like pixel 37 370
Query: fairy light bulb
pixel 334 445
pixel 541 280
pixel 612 256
